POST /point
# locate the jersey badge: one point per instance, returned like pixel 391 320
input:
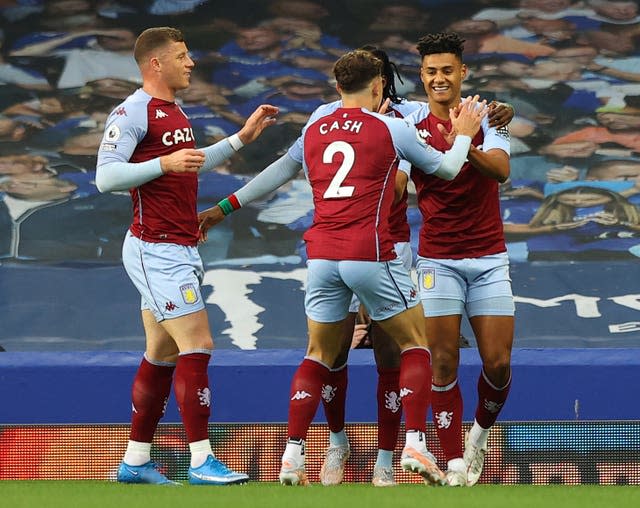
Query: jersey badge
pixel 189 293
pixel 113 133
pixel 161 114
pixel 428 278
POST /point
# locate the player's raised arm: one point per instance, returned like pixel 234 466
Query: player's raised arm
pixel 272 177
pixel 260 119
pixel 466 123
pixel 114 172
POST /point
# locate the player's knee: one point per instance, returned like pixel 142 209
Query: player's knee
pixel 498 370
pixel 202 344
pixel 444 367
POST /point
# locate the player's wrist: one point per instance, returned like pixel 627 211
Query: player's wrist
pixel 235 141
pixel 229 204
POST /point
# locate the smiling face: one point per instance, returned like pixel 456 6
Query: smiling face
pixel 176 65
pixel 442 75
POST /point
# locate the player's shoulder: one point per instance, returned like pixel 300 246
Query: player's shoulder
pixel 133 106
pixel 419 112
pixel 324 110
pixel 406 107
pixel 398 127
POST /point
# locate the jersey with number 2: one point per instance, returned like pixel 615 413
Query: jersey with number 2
pixel 350 157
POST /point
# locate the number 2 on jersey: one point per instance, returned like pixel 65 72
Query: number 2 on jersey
pixel 336 189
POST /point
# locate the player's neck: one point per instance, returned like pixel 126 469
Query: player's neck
pixel 160 91
pixel 441 109
pixel 357 101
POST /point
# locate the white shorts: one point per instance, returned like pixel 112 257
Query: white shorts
pixel 384 288
pixel 481 286
pixel 403 250
pixel 167 276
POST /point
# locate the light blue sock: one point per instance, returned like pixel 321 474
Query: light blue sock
pixel 338 438
pixel 384 459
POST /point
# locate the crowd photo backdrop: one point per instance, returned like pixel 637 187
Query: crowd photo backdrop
pixel 571 207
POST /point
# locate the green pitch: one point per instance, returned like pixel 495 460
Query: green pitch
pixel 94 494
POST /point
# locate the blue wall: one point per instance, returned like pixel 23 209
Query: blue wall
pixel 253 386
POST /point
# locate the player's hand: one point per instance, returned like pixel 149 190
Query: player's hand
pixel 466 118
pixel 207 219
pixel 260 119
pixel 449 136
pixel 384 107
pixel 182 161
pixel 500 114
pixel 361 337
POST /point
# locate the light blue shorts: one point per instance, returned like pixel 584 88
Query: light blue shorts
pixel 167 276
pixel 481 286
pixel 384 288
pixel 403 250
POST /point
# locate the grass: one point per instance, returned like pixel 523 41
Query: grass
pixel 79 494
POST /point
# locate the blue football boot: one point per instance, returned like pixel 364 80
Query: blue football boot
pixel 214 472
pixel 146 473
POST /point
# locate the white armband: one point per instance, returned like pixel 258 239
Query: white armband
pixel 235 142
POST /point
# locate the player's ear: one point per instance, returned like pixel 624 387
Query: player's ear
pixel 464 71
pixel 378 86
pixel 154 63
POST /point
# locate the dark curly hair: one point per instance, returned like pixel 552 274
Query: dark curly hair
pixel 389 72
pixel 443 42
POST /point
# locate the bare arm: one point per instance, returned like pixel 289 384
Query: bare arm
pixel 494 163
pixel 400 185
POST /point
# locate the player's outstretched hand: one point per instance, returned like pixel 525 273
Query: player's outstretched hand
pixel 209 218
pixel 500 114
pixel 261 118
pixel 467 117
pixel 449 136
pixel 182 161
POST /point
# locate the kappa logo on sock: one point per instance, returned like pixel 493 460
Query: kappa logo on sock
pixel 300 394
pixel 392 401
pixel 443 419
pixel 205 397
pixel 491 406
pixel 328 392
pixel 405 391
